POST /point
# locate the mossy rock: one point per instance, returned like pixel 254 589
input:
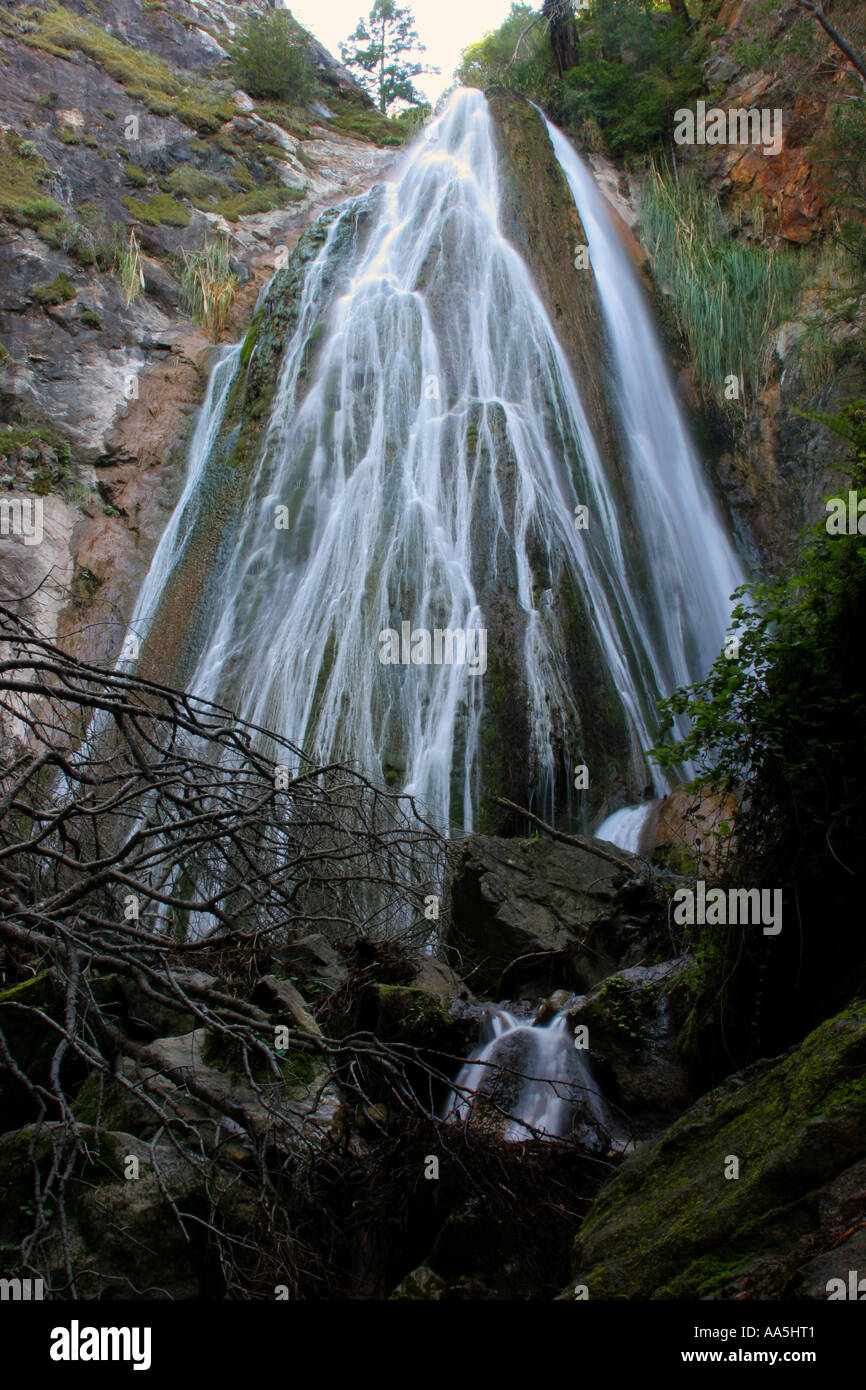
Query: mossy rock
pixel 672 1225
pixel 59 291
pixel 103 1165
pixel 406 1014
pixel 161 208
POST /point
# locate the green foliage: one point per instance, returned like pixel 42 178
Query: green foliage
pixel 60 291
pixel 841 150
pixel 264 199
pixel 200 188
pixel 269 58
pixel 160 208
pixel 366 123
pixel 135 175
pixel 492 62
pixel 786 721
pixel 89 239
pixel 160 87
pixel 783 727
pixel 379 50
pixel 729 295
pixel 634 70
pixel 22 173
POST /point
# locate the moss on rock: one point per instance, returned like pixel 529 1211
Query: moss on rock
pixel 672 1225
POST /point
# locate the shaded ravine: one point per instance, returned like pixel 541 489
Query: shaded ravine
pixel 421 458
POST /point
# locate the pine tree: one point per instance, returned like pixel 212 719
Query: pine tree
pixel 377 50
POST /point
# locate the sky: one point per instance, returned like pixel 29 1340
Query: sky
pixel 445 26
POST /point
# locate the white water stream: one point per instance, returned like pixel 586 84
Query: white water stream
pixel 434 359
pixel 534 1080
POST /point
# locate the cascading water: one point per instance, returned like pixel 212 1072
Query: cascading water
pixel 430 444
pixel 534 1081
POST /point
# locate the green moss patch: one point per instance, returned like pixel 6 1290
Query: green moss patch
pixel 264 199
pixel 161 208
pixel 22 174
pixel 59 291
pixel 159 86
pixel 672 1225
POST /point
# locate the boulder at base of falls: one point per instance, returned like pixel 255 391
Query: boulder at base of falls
pixel 121 1238
pixel 633 1020
pixel 529 916
pixel 754 1192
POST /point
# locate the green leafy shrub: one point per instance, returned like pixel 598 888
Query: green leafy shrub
pixel 492 61
pixel 269 58
pixel 841 151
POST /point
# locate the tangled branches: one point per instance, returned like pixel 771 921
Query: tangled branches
pixel 178 1123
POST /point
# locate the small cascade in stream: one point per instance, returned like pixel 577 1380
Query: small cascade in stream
pixel 626 827
pixel 534 1079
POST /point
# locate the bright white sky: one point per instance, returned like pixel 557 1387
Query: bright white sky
pixel 445 26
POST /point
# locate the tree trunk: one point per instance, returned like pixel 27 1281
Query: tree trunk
pixel 850 53
pixel 563 32
pixel 679 11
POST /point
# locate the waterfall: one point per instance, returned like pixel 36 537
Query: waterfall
pixel 192 499
pixel 532 1078
pixel 430 444
pixel 693 565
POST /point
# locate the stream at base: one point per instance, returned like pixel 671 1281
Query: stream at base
pixel 527 1080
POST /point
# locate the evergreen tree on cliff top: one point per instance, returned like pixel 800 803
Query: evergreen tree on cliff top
pixel 378 51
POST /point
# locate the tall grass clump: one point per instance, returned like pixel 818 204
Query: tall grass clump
pixel 130 269
pixel 729 295
pixel 208 285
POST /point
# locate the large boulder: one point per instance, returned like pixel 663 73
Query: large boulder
pixel 541 914
pixel 633 1020
pixel 123 1238
pixel 683 1220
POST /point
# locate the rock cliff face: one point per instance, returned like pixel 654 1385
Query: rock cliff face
pixel 752 1193
pixel 119 117
pixel 774 467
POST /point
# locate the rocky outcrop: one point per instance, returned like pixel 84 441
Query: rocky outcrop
pixel 633 1021
pixel 751 1192
pixel 529 916
pixel 773 466
pixel 114 117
